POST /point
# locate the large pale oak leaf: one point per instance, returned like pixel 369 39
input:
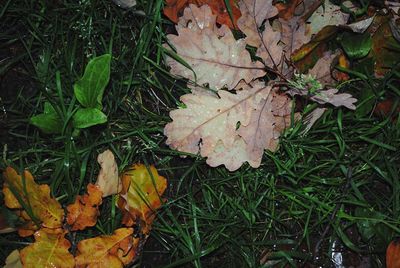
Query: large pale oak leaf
pixel 228 128
pixel 215 57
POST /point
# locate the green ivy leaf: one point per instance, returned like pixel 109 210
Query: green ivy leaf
pixel 87 117
pixel 49 121
pixel 356 45
pixel 90 88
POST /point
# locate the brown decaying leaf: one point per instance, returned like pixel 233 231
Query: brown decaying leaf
pixel 174 7
pixel 84 212
pixel 216 57
pixel 114 251
pixel 46 210
pixel 49 250
pixel 108 179
pixel 141 196
pixel 254 13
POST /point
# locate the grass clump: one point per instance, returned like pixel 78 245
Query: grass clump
pixel 334 190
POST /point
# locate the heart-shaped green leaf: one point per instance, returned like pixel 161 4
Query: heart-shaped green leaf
pixel 49 121
pixel 87 117
pixel 90 88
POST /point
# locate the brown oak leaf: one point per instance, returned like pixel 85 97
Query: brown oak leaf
pixel 215 57
pixel 84 212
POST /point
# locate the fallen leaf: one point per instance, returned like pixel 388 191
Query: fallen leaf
pixel 49 250
pixel 22 192
pixel 217 61
pixel 254 13
pixel 326 15
pixel 198 19
pixel 393 254
pixel 328 96
pixel 141 195
pixel 13 260
pixel 213 120
pixel 322 69
pixel 174 7
pixel 114 251
pixel 384 46
pixel 108 180
pixel 84 212
pixel 286 9
pixel 312 118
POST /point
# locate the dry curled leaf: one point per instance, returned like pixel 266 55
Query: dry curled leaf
pixel 114 251
pixel 108 180
pixel 45 210
pixel 215 57
pixel 174 7
pixel 49 250
pixel 84 212
pixel 141 195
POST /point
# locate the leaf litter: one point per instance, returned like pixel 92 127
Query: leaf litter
pixel 246 115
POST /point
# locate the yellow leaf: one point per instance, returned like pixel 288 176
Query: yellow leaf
pixel 22 192
pixel 49 250
pixel 13 260
pixel 141 195
pixel 108 251
pixel 84 212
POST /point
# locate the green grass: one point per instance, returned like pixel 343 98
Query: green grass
pixel 339 184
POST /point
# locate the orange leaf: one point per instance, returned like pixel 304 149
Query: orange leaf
pixel 49 250
pixel 84 212
pixel 141 195
pixel 174 7
pixel 22 192
pixel 393 254
pixel 106 251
